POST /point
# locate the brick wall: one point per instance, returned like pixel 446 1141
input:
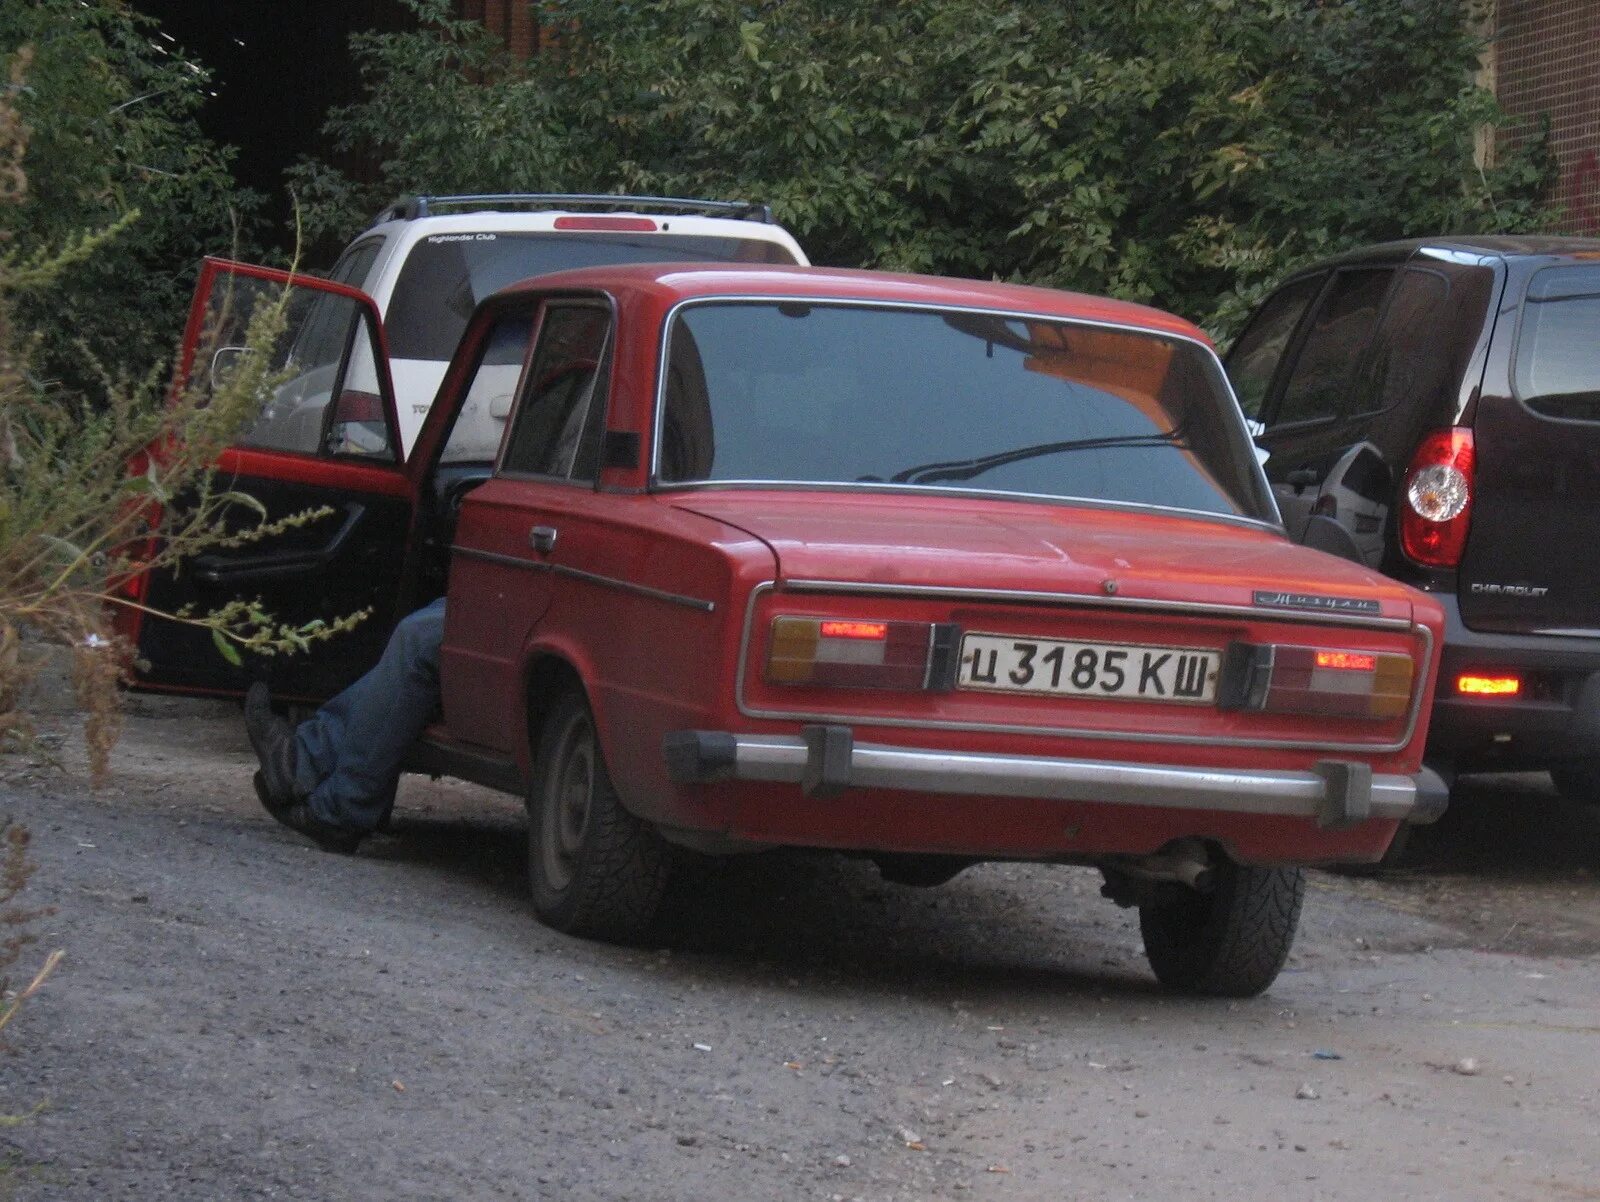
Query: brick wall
pixel 1546 60
pixel 515 21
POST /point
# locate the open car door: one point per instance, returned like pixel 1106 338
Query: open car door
pixel 326 436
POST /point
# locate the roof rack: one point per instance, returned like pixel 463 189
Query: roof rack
pixel 409 208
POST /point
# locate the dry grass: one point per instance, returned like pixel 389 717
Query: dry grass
pixel 96 490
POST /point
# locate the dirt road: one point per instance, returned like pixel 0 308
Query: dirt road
pixel 240 1016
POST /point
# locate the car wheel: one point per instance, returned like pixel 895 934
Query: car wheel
pixel 594 868
pixel 1578 780
pixel 1228 941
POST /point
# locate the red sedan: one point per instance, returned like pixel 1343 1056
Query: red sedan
pixel 927 570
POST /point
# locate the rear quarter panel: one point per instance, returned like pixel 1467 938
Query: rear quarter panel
pixel 659 655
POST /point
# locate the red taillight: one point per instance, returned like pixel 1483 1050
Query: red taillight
pixel 1474 685
pixel 1348 661
pixel 1330 682
pixel 855 630
pixel 356 406
pixel 638 225
pixel 850 653
pixel 1436 498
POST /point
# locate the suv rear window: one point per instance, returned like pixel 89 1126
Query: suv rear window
pixel 1557 367
pixel 845 394
pixel 446 275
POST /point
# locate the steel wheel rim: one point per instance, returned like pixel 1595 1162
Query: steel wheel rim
pixel 569 799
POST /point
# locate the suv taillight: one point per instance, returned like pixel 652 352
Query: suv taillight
pixel 1436 498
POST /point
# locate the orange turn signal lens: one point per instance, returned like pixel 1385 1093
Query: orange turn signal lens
pixel 1488 686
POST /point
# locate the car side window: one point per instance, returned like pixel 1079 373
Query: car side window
pixel 354 264
pixel 1255 355
pixel 1555 373
pixel 560 416
pixel 480 419
pixel 321 335
pixel 1412 358
pixel 1323 378
pixel 325 397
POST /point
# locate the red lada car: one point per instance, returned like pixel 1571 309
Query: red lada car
pixel 927 570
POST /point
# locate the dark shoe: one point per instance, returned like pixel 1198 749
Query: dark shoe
pixel 298 817
pixel 273 741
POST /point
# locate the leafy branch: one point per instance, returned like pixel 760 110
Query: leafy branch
pixel 99 496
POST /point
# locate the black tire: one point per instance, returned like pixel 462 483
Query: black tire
pixel 1230 941
pixel 1578 780
pixel 595 870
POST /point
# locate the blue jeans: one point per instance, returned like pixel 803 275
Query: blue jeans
pixel 349 752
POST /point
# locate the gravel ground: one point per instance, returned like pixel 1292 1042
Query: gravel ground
pixel 240 1015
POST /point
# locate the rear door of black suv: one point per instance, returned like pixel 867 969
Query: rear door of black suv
pixel 1532 558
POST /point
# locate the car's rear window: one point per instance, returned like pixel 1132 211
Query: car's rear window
pixel 836 393
pixel 446 275
pixel 1557 367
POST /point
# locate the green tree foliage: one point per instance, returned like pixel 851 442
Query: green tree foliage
pixel 94 492
pixel 109 104
pixel 1181 152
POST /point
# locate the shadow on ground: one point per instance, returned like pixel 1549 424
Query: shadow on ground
pixel 1512 827
pixel 1511 868
pixel 1005 927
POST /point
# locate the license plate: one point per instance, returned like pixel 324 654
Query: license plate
pixel 1130 671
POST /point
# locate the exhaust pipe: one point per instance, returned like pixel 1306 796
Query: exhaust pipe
pixel 1186 862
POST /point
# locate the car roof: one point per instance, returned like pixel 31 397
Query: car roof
pixel 1493 246
pixel 412 218
pixel 674 282
pixel 414 229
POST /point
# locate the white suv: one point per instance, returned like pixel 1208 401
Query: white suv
pixel 428 260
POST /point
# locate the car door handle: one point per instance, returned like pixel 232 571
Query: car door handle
pixel 542 539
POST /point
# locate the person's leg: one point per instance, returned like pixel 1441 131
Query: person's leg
pixel 348 754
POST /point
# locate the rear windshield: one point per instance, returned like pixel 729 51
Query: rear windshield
pixel 446 275
pixel 840 394
pixel 1557 369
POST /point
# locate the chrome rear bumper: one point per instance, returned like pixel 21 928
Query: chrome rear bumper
pixel 826 760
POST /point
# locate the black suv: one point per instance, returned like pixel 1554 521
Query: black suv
pixel 1431 408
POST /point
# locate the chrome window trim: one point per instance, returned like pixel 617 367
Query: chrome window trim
pixel 560 569
pixel 867 588
pixel 655 484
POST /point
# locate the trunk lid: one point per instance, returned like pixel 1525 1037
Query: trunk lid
pixel 1052 589
pixel 920 542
